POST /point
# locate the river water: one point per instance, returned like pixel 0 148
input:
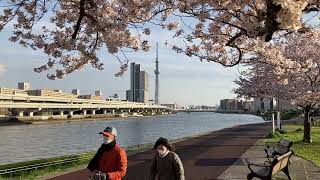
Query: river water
pixel 30 142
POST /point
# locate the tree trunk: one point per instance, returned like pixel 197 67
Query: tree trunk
pixel 278 120
pixel 307 126
pixel 278 115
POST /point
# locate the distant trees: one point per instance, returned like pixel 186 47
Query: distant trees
pixel 290 71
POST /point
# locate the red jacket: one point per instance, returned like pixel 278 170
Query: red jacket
pixel 114 163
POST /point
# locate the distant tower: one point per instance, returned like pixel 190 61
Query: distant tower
pixel 157 72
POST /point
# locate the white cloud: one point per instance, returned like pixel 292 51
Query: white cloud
pixel 2 69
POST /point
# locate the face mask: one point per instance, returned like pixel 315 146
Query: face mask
pixel 162 152
pixel 106 140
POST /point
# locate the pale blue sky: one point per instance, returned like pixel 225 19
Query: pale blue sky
pixel 183 80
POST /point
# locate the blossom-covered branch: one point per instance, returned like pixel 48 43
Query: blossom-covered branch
pixel 295 77
pixel 218 31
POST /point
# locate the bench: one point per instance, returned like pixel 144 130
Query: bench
pixel 265 172
pixel 278 149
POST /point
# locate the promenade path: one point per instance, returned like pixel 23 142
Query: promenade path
pixel 204 157
pixel 299 169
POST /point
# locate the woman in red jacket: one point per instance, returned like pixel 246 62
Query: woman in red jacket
pixel 110 158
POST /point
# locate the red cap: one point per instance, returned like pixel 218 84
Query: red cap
pixel 106 133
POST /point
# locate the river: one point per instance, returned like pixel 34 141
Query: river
pixel 36 141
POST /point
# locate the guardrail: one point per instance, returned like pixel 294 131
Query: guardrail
pixel 25 168
pixel 42 165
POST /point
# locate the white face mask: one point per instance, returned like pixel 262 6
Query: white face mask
pixel 162 152
pixel 106 140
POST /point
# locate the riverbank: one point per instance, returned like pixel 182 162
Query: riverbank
pixel 200 154
pixel 45 141
pixel 14 121
pixel 238 112
pixel 37 141
pixel 228 152
pixel 51 167
pixel 74 163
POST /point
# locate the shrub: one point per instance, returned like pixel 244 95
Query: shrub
pixel 274 135
pixel 281 131
pixel 316 123
pixel 289 115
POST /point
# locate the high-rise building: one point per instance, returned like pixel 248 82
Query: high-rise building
pixel 143 87
pixel 139 85
pixel 76 92
pixel 23 86
pixel 134 81
pixel 129 95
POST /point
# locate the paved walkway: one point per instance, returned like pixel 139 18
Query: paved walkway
pixel 300 169
pixel 204 157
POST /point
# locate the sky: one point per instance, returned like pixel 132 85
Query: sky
pixel 183 80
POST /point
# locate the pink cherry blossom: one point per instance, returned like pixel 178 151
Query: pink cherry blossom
pixel 220 31
pixel 296 77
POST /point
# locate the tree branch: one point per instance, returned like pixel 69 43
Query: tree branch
pixel 81 15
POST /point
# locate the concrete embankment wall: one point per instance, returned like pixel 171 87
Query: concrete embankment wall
pixel 63 117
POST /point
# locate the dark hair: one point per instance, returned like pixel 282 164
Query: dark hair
pixel 164 142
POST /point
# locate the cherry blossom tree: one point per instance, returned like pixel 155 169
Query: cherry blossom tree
pixel 217 30
pixel 296 78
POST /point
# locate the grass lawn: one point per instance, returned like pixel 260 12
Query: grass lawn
pixel 80 162
pixel 295 133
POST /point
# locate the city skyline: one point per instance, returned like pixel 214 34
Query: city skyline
pixel 201 82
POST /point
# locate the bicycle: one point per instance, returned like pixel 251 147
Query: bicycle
pixel 98 175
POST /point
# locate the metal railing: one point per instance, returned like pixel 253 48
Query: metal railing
pixel 42 165
pixel 25 168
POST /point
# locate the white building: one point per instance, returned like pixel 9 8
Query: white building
pixel 50 93
pixel 264 104
pixel 11 91
pixel 171 106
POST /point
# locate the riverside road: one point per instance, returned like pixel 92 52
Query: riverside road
pixel 203 157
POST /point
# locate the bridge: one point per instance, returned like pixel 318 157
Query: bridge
pixel 29 107
pixel 199 110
